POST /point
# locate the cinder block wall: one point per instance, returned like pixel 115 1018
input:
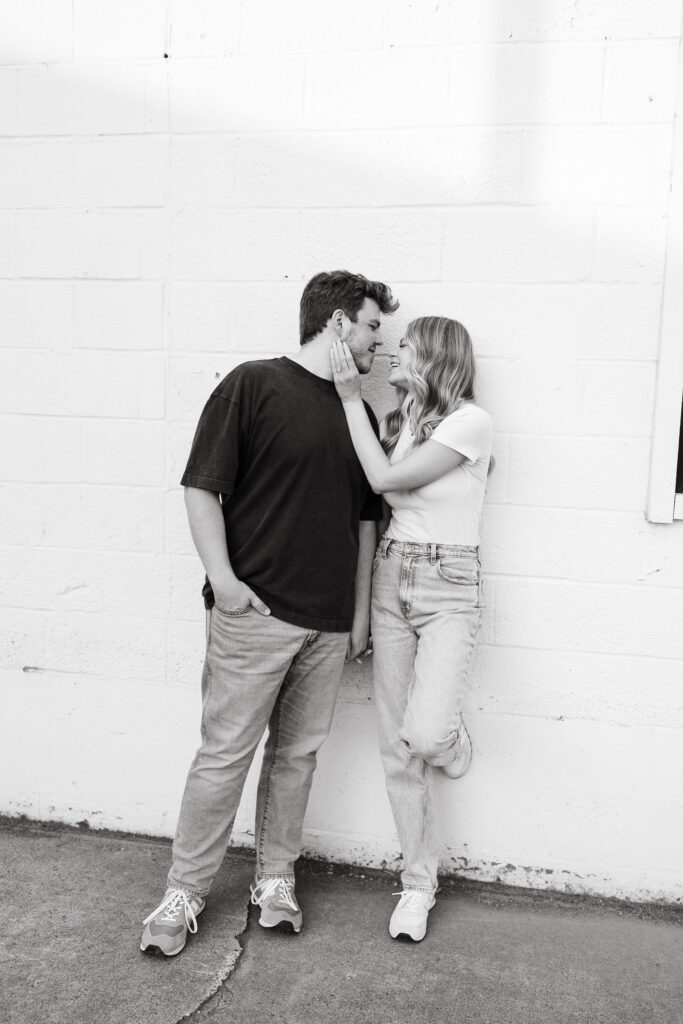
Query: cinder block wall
pixel 171 173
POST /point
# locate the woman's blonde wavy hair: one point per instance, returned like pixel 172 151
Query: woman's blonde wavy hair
pixel 441 372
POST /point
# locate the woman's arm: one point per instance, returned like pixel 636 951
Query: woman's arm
pixel 429 462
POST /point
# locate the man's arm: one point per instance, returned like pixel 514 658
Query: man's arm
pixel 360 629
pixel 207 527
pixel 383 524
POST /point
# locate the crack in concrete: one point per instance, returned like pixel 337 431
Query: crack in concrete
pixel 213 1001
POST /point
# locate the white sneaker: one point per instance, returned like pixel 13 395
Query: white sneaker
pixel 410 916
pixel 463 755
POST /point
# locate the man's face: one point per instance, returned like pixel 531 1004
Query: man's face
pixel 362 337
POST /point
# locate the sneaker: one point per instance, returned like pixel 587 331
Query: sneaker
pixel 166 927
pixel 275 897
pixel 456 768
pixel 410 916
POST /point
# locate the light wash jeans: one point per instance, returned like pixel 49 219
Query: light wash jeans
pixel 426 601
pixel 258 672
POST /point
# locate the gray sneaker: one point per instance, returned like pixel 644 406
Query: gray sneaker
pixel 276 898
pixel 166 927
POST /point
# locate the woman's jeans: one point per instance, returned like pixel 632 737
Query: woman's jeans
pixel 258 672
pixel 426 601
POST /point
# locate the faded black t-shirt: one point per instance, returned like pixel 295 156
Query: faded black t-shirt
pixel 273 442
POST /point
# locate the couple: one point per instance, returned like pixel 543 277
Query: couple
pixel 283 490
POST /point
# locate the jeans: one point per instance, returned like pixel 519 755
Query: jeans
pixel 258 672
pixel 426 603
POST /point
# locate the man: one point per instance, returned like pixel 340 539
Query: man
pixel 285 524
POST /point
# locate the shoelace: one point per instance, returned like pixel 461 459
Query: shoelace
pixel 267 886
pixel 171 906
pixel 411 900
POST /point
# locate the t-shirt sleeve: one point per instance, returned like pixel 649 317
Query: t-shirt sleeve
pixel 371 508
pixel 215 454
pixel 468 430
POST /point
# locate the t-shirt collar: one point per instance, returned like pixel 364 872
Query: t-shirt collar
pixel 326 385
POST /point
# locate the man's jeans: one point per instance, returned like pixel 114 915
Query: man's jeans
pixel 258 672
pixel 425 615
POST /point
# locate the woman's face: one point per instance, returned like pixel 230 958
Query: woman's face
pixel 399 362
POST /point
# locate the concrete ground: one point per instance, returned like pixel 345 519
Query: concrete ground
pixel 74 900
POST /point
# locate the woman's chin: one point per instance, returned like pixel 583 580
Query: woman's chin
pixel 396 379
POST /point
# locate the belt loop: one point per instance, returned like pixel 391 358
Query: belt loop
pixel 432 554
pixel 384 546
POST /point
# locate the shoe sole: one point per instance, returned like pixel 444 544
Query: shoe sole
pixel 154 949
pixel 284 923
pixel 407 935
pixel 151 947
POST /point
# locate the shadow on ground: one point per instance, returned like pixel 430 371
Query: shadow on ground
pixel 69 950
pixel 491 956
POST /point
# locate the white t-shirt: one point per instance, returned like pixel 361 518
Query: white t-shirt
pixel 447 510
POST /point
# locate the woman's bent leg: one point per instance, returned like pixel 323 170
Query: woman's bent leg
pixel 433 717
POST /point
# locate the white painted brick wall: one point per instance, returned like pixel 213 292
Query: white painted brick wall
pixel 103 518
pixel 258 93
pixel 121 172
pixel 640 81
pixel 423 23
pixel 125 315
pixel 7 242
pixel 23 178
pixel 171 173
pixel 125 31
pixel 607 164
pixel 209 29
pixel 76 98
pixel 9 108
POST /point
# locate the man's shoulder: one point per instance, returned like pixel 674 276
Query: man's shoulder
pixel 247 373
pixel 371 416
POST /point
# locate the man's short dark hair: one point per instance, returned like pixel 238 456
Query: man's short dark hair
pixel 339 289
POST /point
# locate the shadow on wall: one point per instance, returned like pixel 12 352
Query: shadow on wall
pixel 413 169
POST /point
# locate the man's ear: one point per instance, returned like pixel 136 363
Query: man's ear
pixel 338 321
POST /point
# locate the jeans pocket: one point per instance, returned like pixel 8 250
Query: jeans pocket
pixel 232 613
pixel 459 571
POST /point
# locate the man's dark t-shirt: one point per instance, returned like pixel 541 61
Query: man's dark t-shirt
pixel 273 442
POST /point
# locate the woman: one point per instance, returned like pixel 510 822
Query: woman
pixel 431 468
